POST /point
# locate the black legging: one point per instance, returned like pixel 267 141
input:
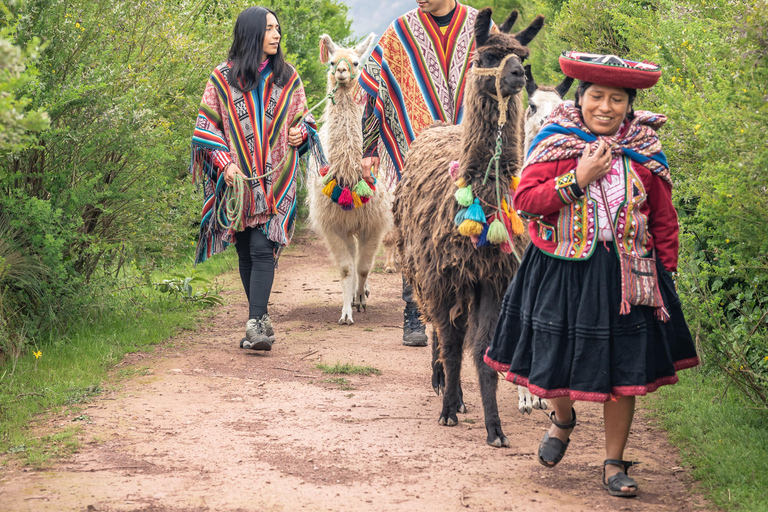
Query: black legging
pixel 257 268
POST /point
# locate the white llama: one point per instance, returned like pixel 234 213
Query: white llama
pixel 541 102
pixel 350 215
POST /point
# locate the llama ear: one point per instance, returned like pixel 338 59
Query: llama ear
pixel 530 83
pixel 483 26
pixel 327 48
pixel 509 23
pixel 365 48
pixel 527 35
pixel 562 88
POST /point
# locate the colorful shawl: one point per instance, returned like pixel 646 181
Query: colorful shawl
pixel 251 128
pixel 416 76
pixel 566 136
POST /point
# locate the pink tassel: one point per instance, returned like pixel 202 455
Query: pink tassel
pixel 345 199
pixel 662 314
pixel 624 307
pixel 453 169
pixel 365 199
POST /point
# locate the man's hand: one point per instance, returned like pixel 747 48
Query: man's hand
pixel 295 138
pixel 229 173
pixel 370 168
pixel 593 166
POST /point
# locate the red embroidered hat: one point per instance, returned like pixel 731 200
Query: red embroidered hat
pixel 609 70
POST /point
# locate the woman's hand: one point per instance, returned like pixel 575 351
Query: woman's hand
pixel 370 167
pixel 229 173
pixel 295 138
pixel 593 166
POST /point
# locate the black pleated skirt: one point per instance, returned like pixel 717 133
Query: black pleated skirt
pixel 560 332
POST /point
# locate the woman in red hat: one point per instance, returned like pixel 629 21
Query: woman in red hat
pixel 597 192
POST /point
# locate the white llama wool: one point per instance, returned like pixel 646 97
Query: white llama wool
pixel 352 236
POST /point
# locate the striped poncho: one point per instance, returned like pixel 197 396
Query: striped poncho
pixel 251 130
pixel 416 76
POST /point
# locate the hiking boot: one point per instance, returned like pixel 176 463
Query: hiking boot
pixel 259 334
pixel 414 332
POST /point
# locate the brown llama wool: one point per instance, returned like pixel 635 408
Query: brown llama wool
pixel 459 287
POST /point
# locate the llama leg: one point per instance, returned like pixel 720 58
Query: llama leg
pixel 451 353
pixel 367 245
pixel 343 251
pixel 487 315
pixel 438 374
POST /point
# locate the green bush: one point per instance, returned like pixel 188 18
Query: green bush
pixel 713 89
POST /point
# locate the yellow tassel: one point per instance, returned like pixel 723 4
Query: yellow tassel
pixel 516 223
pixel 328 189
pixel 356 200
pixel 470 228
pixel 515 182
pixel 461 183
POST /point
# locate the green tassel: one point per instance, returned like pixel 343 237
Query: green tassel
pixel 327 178
pixel 497 233
pixel 464 196
pixel 475 212
pixel 362 189
pixel 460 217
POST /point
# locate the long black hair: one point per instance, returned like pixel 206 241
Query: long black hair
pixel 248 47
pixel 582 89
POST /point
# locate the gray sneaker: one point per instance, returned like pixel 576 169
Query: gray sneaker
pixel 259 334
pixel 414 332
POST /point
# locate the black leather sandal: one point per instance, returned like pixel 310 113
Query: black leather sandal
pixel 551 449
pixel 619 480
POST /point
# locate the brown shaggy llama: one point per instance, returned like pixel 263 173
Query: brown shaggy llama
pixel 459 287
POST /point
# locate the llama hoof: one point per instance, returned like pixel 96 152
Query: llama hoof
pixel 462 408
pixel 389 270
pixel 499 442
pixel 450 421
pixel 346 320
pixel 540 403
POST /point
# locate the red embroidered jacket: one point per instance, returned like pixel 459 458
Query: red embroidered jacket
pixel 563 217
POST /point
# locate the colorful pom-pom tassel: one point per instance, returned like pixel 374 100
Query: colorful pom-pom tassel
pixel 336 193
pixel 515 183
pixel 497 233
pixel 453 169
pixel 460 217
pixel 345 199
pixel 324 171
pixel 464 195
pixel 365 199
pixel 470 228
pixel 461 183
pixel 347 207
pixel 362 189
pixel 328 188
pixel 475 212
pixel 482 240
pixel 517 226
pixel 327 178
pixel 356 200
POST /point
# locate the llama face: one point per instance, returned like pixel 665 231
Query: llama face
pixel 344 63
pixel 541 102
pixel 493 49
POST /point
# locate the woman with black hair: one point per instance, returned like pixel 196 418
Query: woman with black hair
pixel 245 139
pixel 592 313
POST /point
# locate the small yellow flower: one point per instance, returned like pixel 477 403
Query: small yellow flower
pixel 727 240
pixel 765 359
pixel 697 127
pixel 77 25
pixel 37 354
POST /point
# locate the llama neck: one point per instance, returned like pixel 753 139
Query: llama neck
pixel 479 132
pixel 343 135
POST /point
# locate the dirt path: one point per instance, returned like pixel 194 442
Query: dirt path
pixel 206 426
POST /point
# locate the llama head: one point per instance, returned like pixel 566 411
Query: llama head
pixel 492 48
pixel 344 63
pixel 542 100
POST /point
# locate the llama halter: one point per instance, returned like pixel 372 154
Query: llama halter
pixel 471 219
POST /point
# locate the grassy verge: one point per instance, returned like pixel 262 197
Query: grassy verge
pixel 720 436
pixel 347 369
pixel 71 367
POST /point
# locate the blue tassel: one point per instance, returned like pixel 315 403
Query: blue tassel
pixel 336 193
pixel 460 217
pixel 475 212
pixel 482 240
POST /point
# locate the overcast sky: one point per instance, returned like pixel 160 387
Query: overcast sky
pixel 376 15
